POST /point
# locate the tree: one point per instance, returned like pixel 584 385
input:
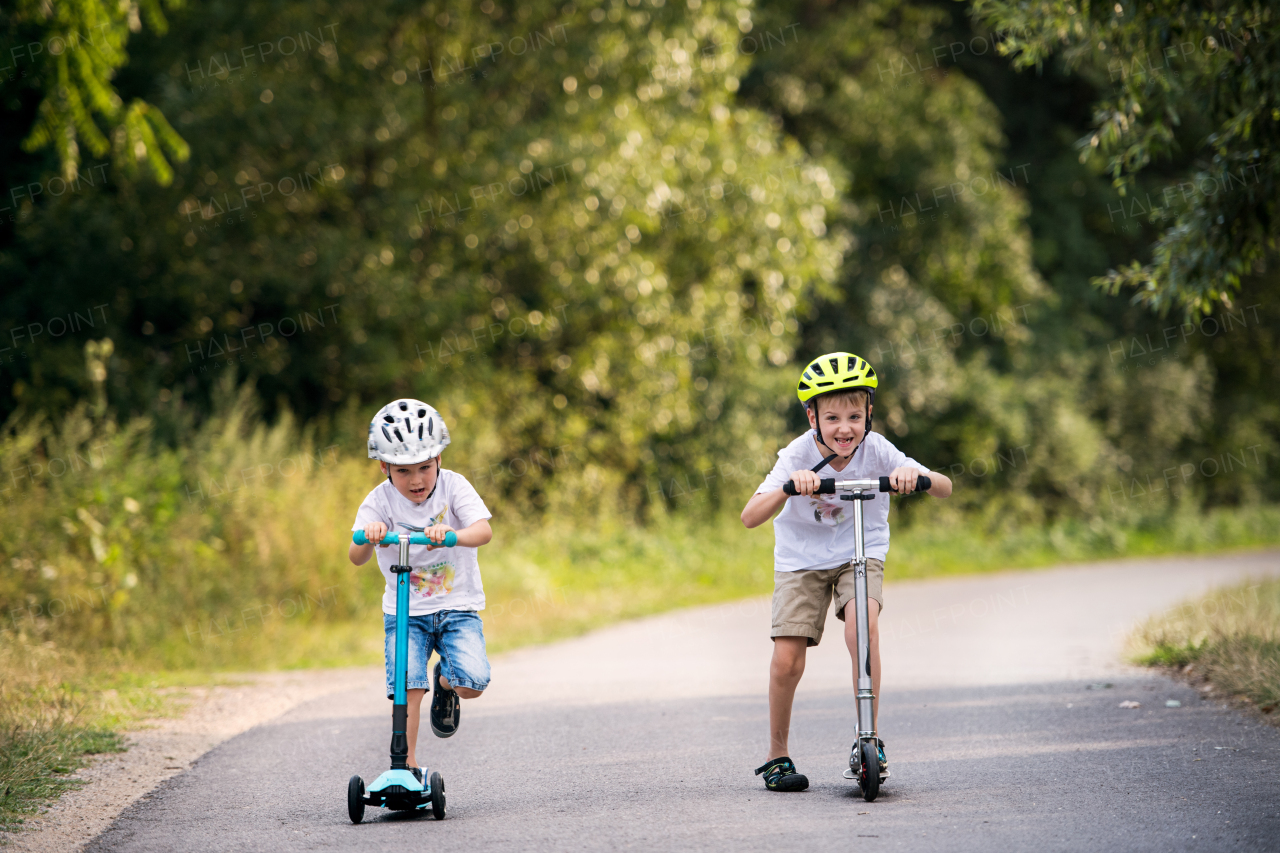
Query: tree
pixel 68 53
pixel 1197 79
pixel 556 213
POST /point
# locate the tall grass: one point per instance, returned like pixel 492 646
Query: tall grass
pixel 229 549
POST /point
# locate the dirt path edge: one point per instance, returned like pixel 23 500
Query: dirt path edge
pixel 163 748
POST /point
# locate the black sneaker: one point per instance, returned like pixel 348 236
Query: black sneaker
pixel 780 775
pixel 418 774
pixel 445 707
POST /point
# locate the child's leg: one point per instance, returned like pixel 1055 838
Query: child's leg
pixel 463 669
pixel 414 698
pixel 873 634
pixel 784 675
pixel 463 692
pixel 800 601
pixel 464 659
pixel 847 610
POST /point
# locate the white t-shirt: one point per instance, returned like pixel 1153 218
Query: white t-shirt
pixel 816 532
pixel 444 578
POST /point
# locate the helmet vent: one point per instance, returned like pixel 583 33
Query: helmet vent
pixel 404 407
pixel 825 384
pixel 396 430
pixel 389 419
pixel 430 426
pixel 419 432
pixel 807 376
pixel 852 363
pixel 817 368
pixel 804 386
pixel 422 413
pixel 387 434
pixel 835 365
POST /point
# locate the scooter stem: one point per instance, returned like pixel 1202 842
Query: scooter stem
pixel 400 707
pixel 866 696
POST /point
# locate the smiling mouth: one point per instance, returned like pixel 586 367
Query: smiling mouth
pixel 420 491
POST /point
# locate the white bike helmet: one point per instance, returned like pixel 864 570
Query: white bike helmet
pixel 407 432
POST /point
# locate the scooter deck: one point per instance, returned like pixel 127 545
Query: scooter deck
pixel 399 789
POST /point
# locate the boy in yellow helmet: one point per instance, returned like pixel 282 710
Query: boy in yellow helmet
pixel 813 536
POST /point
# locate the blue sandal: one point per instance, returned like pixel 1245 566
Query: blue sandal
pixel 780 774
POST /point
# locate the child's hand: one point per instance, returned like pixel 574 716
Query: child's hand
pixel 904 479
pixel 806 481
pixel 374 532
pixel 436 535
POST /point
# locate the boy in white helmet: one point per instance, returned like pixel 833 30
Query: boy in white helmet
pixel 814 535
pixel 408 438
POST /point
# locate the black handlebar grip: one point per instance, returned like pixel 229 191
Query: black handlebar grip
pixel 826 487
pixel 923 484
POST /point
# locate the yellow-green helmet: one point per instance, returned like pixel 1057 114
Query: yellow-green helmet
pixel 835 371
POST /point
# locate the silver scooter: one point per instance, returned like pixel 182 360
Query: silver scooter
pixel 864 758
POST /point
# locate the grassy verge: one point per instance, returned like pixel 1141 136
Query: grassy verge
pixel 1230 638
pixel 56 710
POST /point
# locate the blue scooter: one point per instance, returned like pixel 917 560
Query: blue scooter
pixel 399 789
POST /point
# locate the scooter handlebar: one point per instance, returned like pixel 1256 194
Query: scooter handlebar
pixel 923 484
pixel 828 486
pixel 450 539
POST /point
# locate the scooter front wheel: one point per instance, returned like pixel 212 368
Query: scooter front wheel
pixel 869 777
pixel 355 799
pixel 437 796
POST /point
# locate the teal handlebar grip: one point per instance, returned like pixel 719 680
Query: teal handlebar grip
pixel 450 539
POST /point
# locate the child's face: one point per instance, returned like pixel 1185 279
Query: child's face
pixel 415 482
pixel 843 422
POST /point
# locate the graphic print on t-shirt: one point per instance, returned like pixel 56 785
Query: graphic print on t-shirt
pixel 829 514
pixel 436 579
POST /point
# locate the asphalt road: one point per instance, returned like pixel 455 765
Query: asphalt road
pixel 999 730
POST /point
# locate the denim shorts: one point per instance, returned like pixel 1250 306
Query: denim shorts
pixel 456 635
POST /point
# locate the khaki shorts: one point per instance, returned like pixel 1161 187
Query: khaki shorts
pixel 801 599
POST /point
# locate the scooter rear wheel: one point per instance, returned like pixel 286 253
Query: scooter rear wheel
pixel 437 796
pixel 355 799
pixel 869 777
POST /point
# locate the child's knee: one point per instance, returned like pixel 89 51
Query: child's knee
pixel 468 693
pixel 788 657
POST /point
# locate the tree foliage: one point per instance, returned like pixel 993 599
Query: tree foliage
pixel 1199 80
pixel 67 54
pixel 606 233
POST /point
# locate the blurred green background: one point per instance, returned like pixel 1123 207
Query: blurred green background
pixel 601 238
